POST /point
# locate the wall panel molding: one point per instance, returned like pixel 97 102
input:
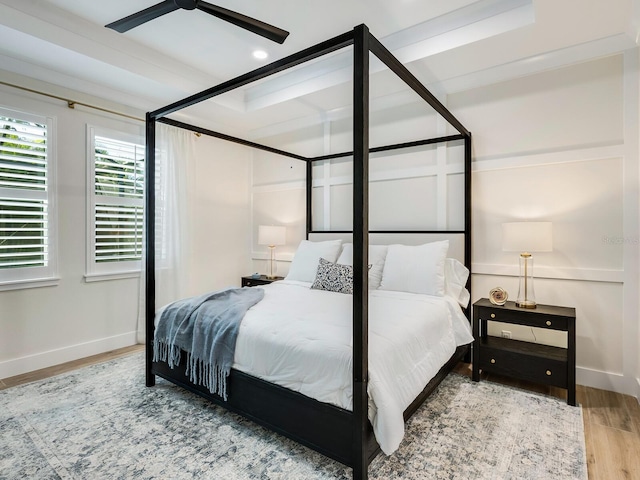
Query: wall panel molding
pixel 557 273
pixel 530 159
pixel 279 187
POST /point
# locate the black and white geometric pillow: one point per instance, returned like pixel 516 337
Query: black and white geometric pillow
pixel 334 277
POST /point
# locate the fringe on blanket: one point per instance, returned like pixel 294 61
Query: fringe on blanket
pixel 164 352
pixel 213 377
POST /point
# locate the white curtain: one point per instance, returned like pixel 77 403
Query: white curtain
pixel 175 168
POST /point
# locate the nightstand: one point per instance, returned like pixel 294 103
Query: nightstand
pixel 249 281
pixel 526 360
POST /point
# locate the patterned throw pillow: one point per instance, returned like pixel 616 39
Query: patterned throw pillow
pixel 334 277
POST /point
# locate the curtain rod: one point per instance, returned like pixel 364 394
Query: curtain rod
pixel 71 103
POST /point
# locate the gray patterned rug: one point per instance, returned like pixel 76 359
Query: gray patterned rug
pixel 101 422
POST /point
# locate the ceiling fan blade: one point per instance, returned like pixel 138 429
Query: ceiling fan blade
pixel 256 26
pixel 143 16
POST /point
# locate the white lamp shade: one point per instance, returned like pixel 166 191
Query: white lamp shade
pixel 527 237
pixel 272 235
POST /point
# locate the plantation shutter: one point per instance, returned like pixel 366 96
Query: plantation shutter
pixel 24 200
pixel 118 194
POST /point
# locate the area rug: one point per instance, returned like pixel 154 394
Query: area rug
pixel 101 422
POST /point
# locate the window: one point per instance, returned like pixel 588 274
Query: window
pixel 116 193
pixel 27 220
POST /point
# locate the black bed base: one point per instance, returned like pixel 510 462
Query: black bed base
pixel 320 426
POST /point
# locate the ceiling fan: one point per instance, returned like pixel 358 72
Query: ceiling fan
pixel 256 26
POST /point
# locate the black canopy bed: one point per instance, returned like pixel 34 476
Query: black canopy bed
pixel 339 433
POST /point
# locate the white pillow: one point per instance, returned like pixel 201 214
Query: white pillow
pixel 377 255
pixel 415 269
pixel 455 281
pixel 305 261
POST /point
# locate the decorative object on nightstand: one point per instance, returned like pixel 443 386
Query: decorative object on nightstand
pixel 272 235
pixel 254 281
pixel 534 362
pixel 498 296
pixel 526 237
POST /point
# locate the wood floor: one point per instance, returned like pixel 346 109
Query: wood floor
pixel 67 367
pixel 611 420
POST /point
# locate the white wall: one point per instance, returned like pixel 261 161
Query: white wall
pixel 560 146
pixel 40 327
pixel 556 146
pixel 278 193
pixel 221 245
pixel 44 326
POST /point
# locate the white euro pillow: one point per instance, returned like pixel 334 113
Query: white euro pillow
pixel 455 281
pixel 377 255
pixel 305 261
pixel 415 269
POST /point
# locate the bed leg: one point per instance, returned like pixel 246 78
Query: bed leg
pixel 467 356
pixel 150 378
pixel 360 473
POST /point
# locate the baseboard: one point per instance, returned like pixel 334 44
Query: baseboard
pixel 614 382
pixel 30 363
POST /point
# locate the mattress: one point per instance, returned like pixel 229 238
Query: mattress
pixel 301 339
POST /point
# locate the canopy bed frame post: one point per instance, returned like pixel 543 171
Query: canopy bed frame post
pixel 467 211
pixel 309 196
pixel 360 249
pixel 467 227
pixel 150 245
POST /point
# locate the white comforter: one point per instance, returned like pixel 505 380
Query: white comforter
pixel 301 339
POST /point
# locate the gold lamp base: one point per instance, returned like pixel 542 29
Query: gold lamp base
pixel 526 295
pixel 272 263
pixel 526 304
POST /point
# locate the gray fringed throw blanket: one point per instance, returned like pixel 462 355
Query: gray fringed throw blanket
pixel 206 327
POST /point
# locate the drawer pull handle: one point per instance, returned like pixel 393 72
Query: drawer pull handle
pixel 549 373
pixel 493 315
pixel 548 323
pixel 493 360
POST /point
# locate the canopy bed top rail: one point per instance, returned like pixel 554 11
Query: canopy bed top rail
pixel 395 146
pixel 230 138
pixel 323 48
pixel 405 75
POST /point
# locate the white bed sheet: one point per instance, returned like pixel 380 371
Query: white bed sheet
pixel 301 339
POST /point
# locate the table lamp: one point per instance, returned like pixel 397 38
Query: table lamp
pixel 272 235
pixel 526 237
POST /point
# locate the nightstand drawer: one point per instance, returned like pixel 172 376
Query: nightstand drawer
pixel 533 362
pixel 251 281
pixel 524 317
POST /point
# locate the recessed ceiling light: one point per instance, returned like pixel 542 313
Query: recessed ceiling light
pixel 260 54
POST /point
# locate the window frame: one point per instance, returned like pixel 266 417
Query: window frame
pixel 99 271
pixel 39 276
